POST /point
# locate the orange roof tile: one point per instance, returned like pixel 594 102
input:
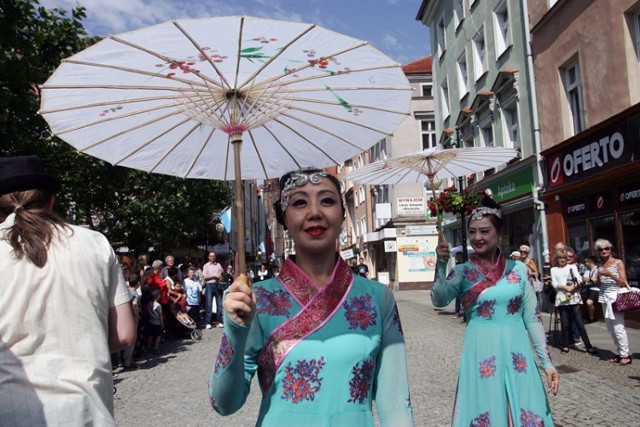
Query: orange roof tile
pixel 419 66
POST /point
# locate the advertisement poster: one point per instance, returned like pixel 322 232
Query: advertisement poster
pixel 417 258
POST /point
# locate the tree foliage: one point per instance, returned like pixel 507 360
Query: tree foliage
pixel 132 208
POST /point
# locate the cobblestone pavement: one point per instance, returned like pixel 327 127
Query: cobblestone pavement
pixel 171 388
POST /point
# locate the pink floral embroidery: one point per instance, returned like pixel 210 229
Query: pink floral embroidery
pixel 275 303
pixel 519 362
pixel 488 367
pixel 529 419
pixel 360 381
pixel 360 313
pixel 514 304
pixel 481 420
pixel 513 276
pixel 538 314
pixel 470 274
pixel 224 354
pixel 213 404
pixel 486 308
pixel 302 382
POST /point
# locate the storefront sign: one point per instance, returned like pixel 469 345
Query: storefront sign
pixel 347 254
pixel 512 186
pixel 595 154
pixel 576 207
pixel 410 206
pixel 412 230
pixel 629 194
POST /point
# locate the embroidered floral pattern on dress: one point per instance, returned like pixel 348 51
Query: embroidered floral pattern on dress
pixel 302 382
pixel 360 313
pixel 487 367
pixel 214 405
pixel 360 381
pixel 452 274
pixel 275 303
pixel 225 354
pixel 514 304
pixel 529 419
pixel 538 314
pixel 486 308
pixel 396 319
pixel 470 274
pixel 513 276
pixel 519 362
pixel 482 420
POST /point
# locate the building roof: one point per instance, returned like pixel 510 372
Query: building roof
pixel 419 66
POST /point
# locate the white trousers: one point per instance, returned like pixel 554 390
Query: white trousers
pixel 617 331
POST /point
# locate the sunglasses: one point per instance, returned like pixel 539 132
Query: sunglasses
pixel 608 248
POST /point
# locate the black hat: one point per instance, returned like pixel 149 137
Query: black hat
pixel 22 173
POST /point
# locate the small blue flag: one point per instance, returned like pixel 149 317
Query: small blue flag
pixel 225 217
pixel 261 247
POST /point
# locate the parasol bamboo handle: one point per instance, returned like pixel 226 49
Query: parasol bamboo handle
pixel 236 140
pixel 435 202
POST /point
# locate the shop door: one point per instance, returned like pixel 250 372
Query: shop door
pixel 630 223
pixel 604 228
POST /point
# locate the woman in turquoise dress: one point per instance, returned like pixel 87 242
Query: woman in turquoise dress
pixel 324 342
pixel 498 383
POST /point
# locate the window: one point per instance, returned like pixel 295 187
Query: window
pixel 428 132
pixel 501 30
pixel 442 45
pixel 573 88
pixel 361 194
pixel 444 102
pixel 479 54
pixel 462 74
pixel 552 3
pixel 486 134
pixel 426 90
pixel 511 127
pixel 458 12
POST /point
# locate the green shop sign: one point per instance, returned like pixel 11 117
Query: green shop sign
pixel 512 186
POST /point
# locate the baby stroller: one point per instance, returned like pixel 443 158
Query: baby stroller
pixel 184 323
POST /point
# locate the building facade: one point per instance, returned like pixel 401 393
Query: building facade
pixel 483 88
pixel 587 68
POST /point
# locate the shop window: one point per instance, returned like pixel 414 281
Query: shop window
pixel 578 239
pixel 630 223
pixel 519 230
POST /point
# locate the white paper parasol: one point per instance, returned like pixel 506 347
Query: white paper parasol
pixel 227 98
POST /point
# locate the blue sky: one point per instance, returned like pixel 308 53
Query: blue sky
pixel 389 25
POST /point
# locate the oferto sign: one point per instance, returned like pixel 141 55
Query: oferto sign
pixel 594 154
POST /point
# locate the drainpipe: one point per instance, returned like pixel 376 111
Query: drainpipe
pixel 538 175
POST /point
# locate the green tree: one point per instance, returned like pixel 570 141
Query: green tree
pixel 132 208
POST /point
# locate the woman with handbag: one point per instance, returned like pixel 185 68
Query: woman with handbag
pixel 613 276
pixel 566 280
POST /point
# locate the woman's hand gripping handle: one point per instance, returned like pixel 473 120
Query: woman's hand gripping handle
pixel 240 301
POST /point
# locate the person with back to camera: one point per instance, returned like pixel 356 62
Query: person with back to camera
pixel 613 276
pixel 566 280
pixel 65 309
pixel 326 343
pixel 498 382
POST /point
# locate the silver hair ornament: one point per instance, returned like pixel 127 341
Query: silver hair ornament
pixel 483 211
pixel 298 179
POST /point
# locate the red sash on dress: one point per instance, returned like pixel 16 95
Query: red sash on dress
pixel 491 273
pixel 318 306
